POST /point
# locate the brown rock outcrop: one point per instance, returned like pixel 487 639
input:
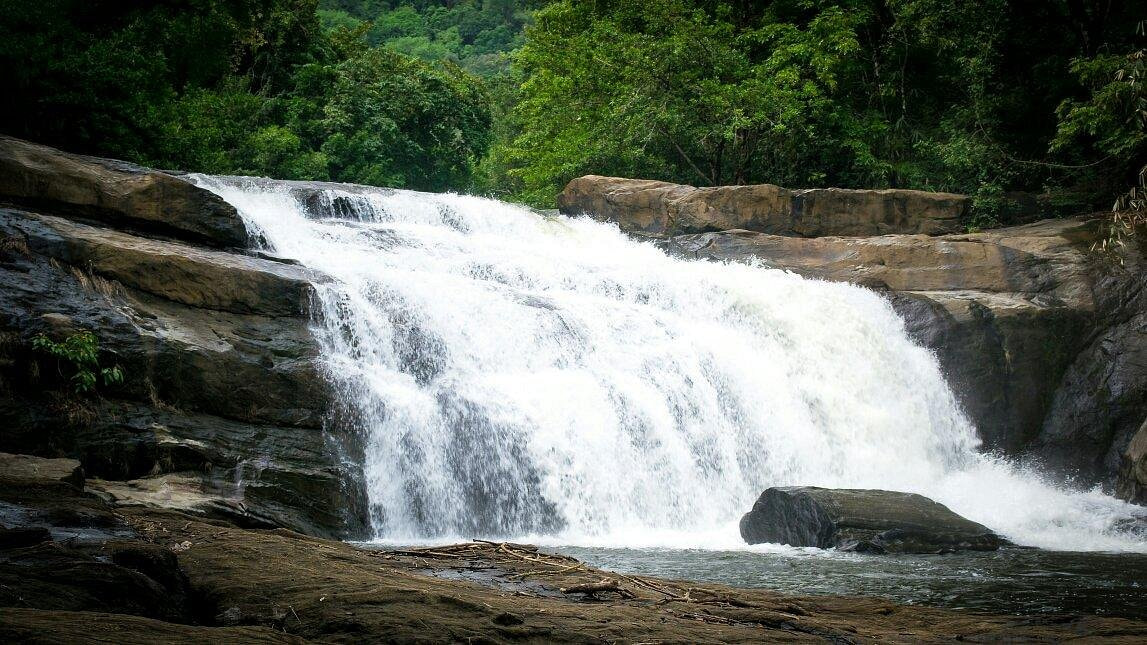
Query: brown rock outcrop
pixel 642 206
pixel 115 192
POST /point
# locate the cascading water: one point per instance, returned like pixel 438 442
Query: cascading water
pixel 548 378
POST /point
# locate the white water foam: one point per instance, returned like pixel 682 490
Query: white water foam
pixel 546 378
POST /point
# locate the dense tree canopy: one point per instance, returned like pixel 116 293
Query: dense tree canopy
pixel 516 97
pixel 252 87
pixel 917 93
pixel 476 34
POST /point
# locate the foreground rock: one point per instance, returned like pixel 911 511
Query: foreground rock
pixel 26 467
pixel 869 521
pixel 145 576
pixel 642 206
pixel 116 192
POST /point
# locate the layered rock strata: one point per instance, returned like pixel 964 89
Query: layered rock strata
pixel 223 410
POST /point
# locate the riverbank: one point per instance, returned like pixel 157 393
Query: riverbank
pixel 98 573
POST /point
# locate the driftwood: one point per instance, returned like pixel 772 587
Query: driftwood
pixel 591 589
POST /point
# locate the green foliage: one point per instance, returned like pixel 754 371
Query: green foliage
pixel 475 34
pixel 516 97
pixel 396 121
pixel 1114 120
pixel 241 88
pixel 81 352
pixel 923 94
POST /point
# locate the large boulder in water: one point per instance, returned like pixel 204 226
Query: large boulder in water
pixel 874 521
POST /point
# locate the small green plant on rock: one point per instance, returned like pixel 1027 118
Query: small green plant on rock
pixel 82 351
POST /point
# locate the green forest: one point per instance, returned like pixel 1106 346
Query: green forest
pixel 515 98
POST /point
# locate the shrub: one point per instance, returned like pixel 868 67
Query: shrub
pixel 81 351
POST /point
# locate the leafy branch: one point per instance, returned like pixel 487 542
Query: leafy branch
pixel 81 350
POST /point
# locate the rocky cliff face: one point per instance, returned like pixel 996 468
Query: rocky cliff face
pixel 1042 340
pixel 222 411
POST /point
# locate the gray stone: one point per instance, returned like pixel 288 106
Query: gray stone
pixel 871 521
pixel 179 272
pixel 29 468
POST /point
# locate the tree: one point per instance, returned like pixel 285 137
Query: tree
pixel 246 88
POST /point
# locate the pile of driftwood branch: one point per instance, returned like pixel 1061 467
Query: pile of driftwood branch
pixel 549 564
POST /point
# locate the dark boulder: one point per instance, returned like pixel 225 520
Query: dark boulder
pixel 871 521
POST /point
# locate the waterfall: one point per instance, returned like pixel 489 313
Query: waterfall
pixel 529 376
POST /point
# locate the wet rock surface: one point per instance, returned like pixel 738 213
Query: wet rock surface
pixel 169 577
pixel 867 521
pixel 179 272
pixel 1133 468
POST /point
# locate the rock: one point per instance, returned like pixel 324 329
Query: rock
pixel 26 467
pixel 1048 258
pixel 19 625
pixel 871 521
pixel 116 192
pixel 223 411
pixel 671 209
pixel 1099 406
pixel 251 367
pixel 1132 484
pixel 257 476
pixel 65 564
pixel 179 272
pixel 22 537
